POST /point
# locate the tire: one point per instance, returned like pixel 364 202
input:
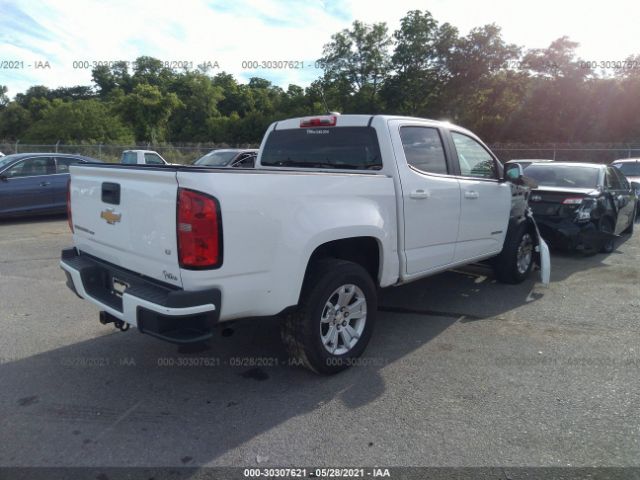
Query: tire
pixel 606 225
pixel 306 331
pixel 515 262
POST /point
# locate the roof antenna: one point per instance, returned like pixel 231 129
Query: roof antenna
pixel 324 102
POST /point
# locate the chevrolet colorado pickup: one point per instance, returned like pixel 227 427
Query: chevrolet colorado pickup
pixel 336 208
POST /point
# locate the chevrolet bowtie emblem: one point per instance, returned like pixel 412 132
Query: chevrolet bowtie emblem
pixel 110 216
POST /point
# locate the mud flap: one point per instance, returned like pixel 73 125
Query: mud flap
pixel 545 261
pixel 543 252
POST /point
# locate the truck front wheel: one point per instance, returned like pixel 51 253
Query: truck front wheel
pixel 514 263
pixel 333 323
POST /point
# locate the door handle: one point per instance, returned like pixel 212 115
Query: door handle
pixel 471 194
pixel 420 194
pixel 45 184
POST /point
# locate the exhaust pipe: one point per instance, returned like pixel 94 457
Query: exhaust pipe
pixel 106 318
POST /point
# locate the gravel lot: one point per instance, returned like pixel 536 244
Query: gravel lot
pixel 461 371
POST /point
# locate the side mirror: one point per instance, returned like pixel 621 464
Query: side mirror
pixel 3 178
pixel 513 172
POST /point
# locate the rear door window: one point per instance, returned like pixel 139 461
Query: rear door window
pixel 611 180
pixel 32 167
pixel 624 184
pixel 353 148
pixel 423 149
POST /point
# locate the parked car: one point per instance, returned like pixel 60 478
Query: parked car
pixel 36 183
pixel 142 157
pixel 229 157
pixel 630 168
pixel 582 205
pixel 525 162
pixel 337 207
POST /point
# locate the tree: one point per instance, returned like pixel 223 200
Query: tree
pixel 148 110
pixel 236 97
pixel 193 119
pixel 422 48
pixel 358 58
pixel 110 77
pixel 558 60
pixel 151 71
pixel 471 64
pixel 14 121
pixel 81 121
pixel 4 98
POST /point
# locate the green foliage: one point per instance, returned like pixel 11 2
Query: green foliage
pixel 425 69
pixel 14 121
pixel 358 61
pixel 82 121
pixel 4 98
pixel 147 109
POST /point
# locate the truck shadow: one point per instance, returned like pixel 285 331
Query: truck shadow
pixel 120 400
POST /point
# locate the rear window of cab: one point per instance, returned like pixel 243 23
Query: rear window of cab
pixel 351 148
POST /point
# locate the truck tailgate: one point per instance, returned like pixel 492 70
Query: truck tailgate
pixel 127 216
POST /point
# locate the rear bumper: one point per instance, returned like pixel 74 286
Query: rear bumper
pixel 159 310
pixel 568 235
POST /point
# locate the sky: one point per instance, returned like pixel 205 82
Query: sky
pixel 52 42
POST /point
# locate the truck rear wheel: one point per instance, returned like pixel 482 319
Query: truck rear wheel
pixel 515 262
pixel 333 323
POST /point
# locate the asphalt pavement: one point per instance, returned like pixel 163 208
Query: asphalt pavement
pixel 461 371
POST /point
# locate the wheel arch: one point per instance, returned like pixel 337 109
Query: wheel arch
pixel 366 251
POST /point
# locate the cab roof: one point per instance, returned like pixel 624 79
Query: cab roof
pixel 357 120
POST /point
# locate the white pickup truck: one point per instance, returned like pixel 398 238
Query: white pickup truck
pixel 337 207
pixel 142 157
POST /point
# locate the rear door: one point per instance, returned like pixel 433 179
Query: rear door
pixel 621 196
pixel 485 201
pixel 430 196
pixel 28 185
pixel 126 215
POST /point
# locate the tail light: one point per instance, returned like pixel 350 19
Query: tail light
pixel 199 230
pixel 69 217
pixel 324 121
pixel 583 212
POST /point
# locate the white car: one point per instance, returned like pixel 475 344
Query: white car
pixel 142 157
pixel 337 207
pixel 630 168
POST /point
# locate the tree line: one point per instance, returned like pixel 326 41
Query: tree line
pixel 425 68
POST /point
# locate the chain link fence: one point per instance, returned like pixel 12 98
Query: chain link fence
pixel 592 153
pixel 188 153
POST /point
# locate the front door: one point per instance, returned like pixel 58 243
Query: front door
pixel 485 201
pixel 27 185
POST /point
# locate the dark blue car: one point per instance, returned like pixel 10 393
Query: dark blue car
pixel 36 183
